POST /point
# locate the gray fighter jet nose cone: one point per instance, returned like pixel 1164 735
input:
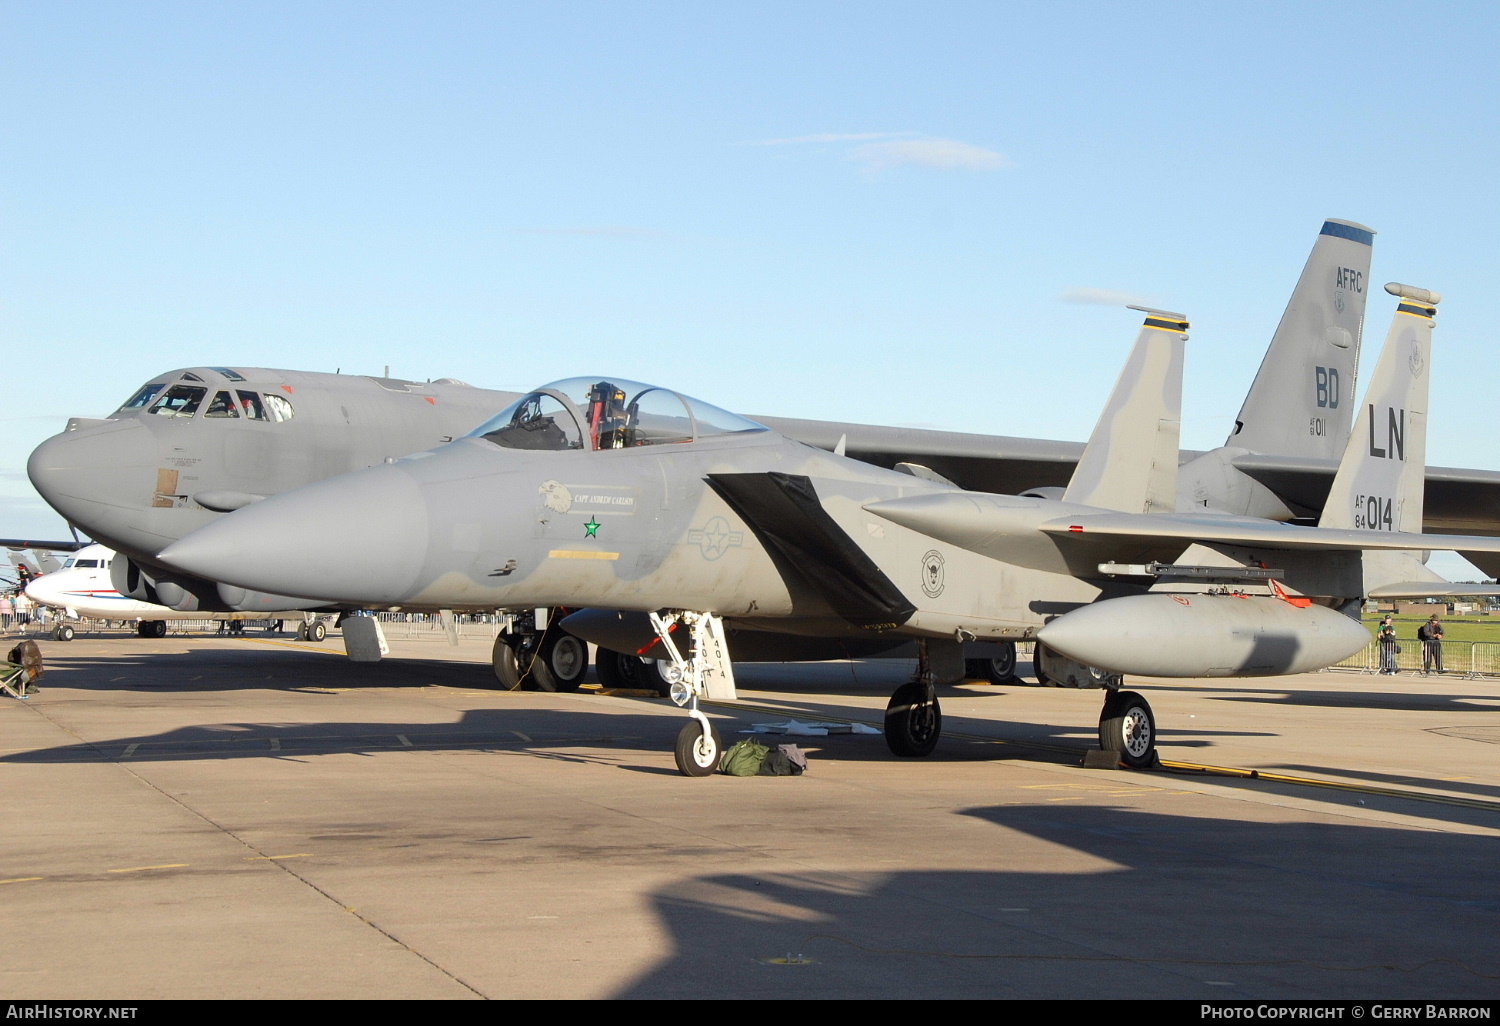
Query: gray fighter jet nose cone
pixel 359 539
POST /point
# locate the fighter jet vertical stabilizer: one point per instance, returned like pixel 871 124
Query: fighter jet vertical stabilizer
pixel 1379 483
pixel 1299 404
pixel 1130 463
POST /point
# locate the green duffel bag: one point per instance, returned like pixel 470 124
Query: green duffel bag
pixel 743 758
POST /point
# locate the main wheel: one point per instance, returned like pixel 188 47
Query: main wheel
pixel 317 631
pixel 913 722
pixel 152 628
pixel 562 662
pixel 62 632
pixel 1127 726
pixel 999 670
pixel 506 663
pixel 697 751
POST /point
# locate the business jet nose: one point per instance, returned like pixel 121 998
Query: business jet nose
pixel 97 477
pixel 359 539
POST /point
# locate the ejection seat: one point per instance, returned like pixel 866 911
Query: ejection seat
pixel 23 665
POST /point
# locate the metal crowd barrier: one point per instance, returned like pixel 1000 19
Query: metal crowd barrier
pixel 1470 659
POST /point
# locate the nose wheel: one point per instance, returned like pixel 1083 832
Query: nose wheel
pixel 1128 728
pixel 698 748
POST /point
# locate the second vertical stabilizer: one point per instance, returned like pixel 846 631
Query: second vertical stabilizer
pixel 1130 463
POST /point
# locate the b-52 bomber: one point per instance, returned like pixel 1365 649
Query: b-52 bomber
pixel 628 497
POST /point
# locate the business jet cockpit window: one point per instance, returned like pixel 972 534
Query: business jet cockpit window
pixel 179 401
pixel 609 413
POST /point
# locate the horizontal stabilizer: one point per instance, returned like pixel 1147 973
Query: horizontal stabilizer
pixel 1429 589
pixel 1147 528
pixel 784 512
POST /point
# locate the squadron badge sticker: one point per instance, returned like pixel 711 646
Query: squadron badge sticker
pixel 932 573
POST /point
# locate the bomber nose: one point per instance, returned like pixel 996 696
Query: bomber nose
pixel 95 473
pixel 357 539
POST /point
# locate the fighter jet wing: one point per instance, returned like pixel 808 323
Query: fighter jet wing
pixel 984 463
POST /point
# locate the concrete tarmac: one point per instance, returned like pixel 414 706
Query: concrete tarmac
pixel 204 817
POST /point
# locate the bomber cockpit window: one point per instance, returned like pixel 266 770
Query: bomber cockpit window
pixel 221 406
pixel 232 375
pixel 143 398
pixel 278 408
pixel 179 401
pixel 607 413
pixel 251 405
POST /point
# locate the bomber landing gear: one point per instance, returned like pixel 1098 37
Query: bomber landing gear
pixel 151 629
pixel 62 632
pixel 1127 728
pixel 313 630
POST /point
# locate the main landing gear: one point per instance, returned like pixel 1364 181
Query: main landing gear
pixel 1128 729
pixel 1000 669
pixel 314 630
pixel 546 659
pixel 151 629
pixel 618 670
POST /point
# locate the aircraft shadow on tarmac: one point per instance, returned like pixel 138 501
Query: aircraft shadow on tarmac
pixel 1414 700
pixel 222 668
pixel 1192 908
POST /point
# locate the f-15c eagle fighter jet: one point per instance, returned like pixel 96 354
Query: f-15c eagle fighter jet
pixel 609 493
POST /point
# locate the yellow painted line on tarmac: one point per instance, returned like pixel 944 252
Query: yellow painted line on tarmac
pixel 1332 785
pixel 293 645
pixel 277 858
pixel 22 879
pixel 142 869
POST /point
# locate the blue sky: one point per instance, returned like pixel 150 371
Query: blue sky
pixel 881 212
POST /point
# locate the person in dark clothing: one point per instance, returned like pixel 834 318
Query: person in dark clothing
pixel 1387 638
pixel 1430 634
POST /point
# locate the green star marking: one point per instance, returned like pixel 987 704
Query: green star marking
pixel 591 529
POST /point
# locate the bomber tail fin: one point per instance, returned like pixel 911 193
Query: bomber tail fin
pixel 1380 480
pixel 1300 401
pixel 1130 463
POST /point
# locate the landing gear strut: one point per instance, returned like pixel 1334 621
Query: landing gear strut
pixel 1127 727
pixel 913 717
pixel 706 673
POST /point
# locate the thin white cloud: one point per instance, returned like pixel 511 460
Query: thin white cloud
pixel 880 150
pixel 1105 297
pixel 831 137
pixel 597 231
pixel 945 154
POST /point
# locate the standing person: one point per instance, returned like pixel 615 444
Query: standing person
pixel 1430 634
pixel 5 611
pixel 1387 638
pixel 22 606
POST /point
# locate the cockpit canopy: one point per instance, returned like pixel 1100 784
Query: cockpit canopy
pixel 182 399
pixel 606 413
